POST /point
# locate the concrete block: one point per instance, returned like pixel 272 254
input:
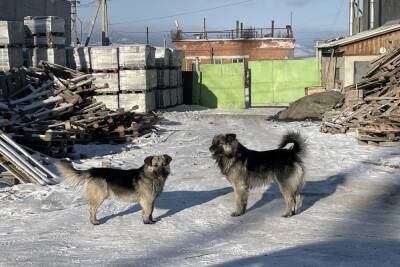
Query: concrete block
pixel 52 55
pixel 12 33
pixel 162 57
pixel 112 79
pixel 131 80
pixel 162 78
pixel 145 101
pixel 50 40
pixel 104 57
pixel 165 95
pixel 179 77
pixel 111 101
pixel 10 58
pixel 176 58
pixel 136 56
pixel 174 96
pixel 173 78
pixel 180 95
pixel 43 25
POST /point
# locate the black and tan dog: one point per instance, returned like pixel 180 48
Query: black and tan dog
pixel 141 185
pixel 245 169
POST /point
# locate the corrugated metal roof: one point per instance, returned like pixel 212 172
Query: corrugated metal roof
pixel 361 36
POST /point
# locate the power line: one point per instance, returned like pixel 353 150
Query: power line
pixel 183 13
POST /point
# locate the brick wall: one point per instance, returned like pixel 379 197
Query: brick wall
pixel 226 50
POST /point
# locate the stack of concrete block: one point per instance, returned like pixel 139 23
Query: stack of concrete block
pixel 169 92
pixel 105 68
pixel 162 93
pixel 45 37
pixel 12 39
pixel 176 60
pixel 138 78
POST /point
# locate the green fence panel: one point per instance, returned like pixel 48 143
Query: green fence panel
pixel 219 86
pixel 280 82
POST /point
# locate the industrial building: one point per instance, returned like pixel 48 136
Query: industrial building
pixel 18 9
pixel 235 45
pixel 370 14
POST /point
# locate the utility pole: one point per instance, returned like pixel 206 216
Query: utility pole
pixel 105 40
pixel 74 19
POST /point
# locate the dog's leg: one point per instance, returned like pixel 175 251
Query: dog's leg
pixel 95 193
pixel 299 203
pixel 289 200
pixel 147 210
pixel 241 196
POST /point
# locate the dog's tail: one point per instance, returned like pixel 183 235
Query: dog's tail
pixel 299 144
pixel 72 176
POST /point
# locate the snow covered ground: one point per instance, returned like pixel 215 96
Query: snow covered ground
pixel 350 215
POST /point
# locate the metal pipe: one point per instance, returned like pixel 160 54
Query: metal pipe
pixel 24 167
pixel 371 14
pixel 351 17
pixel 26 154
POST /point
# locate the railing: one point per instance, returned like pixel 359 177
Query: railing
pixel 248 33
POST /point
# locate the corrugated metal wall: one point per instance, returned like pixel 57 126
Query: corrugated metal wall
pixel 18 9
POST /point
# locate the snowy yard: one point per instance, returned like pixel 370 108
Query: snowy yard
pixel 350 214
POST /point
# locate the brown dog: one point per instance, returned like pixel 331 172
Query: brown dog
pixel 141 185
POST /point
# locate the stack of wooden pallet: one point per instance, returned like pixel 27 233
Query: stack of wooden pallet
pixel 12 39
pixel 45 39
pixel 372 105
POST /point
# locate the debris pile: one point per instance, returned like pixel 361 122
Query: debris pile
pixel 50 108
pixel 310 107
pixel 372 105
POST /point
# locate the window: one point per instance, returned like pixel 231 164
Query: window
pixel 217 61
pixel 237 60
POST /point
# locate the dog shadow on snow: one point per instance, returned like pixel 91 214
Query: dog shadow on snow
pixel 175 202
pixel 312 192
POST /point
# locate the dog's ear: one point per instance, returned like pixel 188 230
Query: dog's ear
pixel 230 138
pixel 149 161
pixel 167 158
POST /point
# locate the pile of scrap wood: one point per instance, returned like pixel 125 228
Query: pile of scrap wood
pixel 372 105
pixel 50 108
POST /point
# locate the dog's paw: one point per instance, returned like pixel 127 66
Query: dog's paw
pixel 149 222
pixel 288 214
pixel 236 214
pixel 95 222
